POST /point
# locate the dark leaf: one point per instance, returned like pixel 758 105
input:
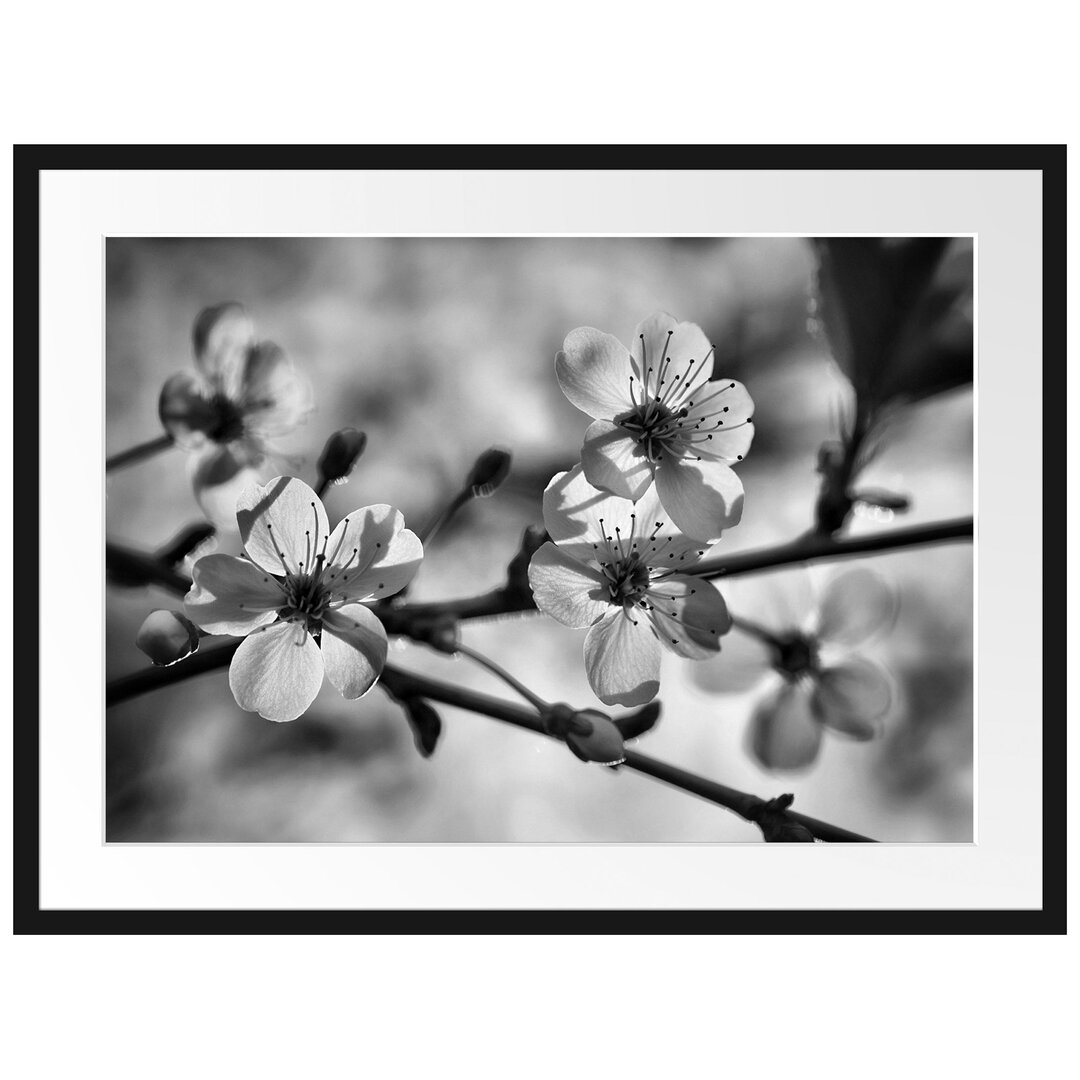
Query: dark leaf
pixel 426 724
pixel 637 723
pixel 185 542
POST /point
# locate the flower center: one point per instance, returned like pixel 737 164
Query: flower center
pixel 676 410
pixel 627 581
pixel 227 423
pixel 307 589
pixel 627 559
pixel 796 654
pixel 306 599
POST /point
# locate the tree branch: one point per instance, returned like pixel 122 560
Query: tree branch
pixel 405 684
pixel 412 620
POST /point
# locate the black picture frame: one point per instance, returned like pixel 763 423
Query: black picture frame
pixel 31 160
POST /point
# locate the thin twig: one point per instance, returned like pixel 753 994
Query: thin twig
pixel 138 453
pixel 406 684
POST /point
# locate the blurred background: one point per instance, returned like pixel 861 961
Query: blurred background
pixel 437 349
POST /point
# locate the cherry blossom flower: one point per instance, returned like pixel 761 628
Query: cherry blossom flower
pixel 298 599
pixel 243 394
pixel 804 667
pixel 660 416
pixel 615 567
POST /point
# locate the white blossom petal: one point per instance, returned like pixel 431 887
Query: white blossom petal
pixel 744 661
pixel 219 476
pixel 274 397
pixel 682 342
pixel 282 525
pixel 222 337
pixel 615 461
pixel 784 733
pixel 689 615
pixel 185 410
pixel 371 554
pixel 703 497
pixel 721 399
pixel 574 509
pixel 566 589
pixel 594 371
pixel 354 649
pixel 856 605
pixel 622 659
pixel 277 672
pixel 852 698
pixel 779 600
pixel 728 444
pixel 230 595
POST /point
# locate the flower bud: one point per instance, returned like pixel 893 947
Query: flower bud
pixel 489 471
pixel 590 734
pixel 340 454
pixel 885 500
pixel 167 637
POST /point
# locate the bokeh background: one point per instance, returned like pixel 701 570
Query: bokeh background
pixel 439 348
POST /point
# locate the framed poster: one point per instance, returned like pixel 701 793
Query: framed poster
pixel 478 536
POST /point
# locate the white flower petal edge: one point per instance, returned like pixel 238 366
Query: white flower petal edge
pixel 622 659
pixel 567 590
pixel 371 554
pixel 578 517
pixel 354 649
pixel 703 497
pixel 273 397
pixel 282 525
pixel 691 612
pixel 852 698
pixel 613 460
pixel 222 337
pixel 276 672
pixel 593 370
pixel 682 342
pixel 229 595
pixel 744 663
pixel 855 606
pixel 784 733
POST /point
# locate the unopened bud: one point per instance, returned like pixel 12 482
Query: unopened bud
pixel 340 454
pixel 885 500
pixel 426 724
pixel 590 734
pixel 167 637
pixel 489 471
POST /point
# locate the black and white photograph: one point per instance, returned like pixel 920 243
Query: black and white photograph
pixel 539 539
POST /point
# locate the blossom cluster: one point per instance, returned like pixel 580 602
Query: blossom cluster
pixel 654 489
